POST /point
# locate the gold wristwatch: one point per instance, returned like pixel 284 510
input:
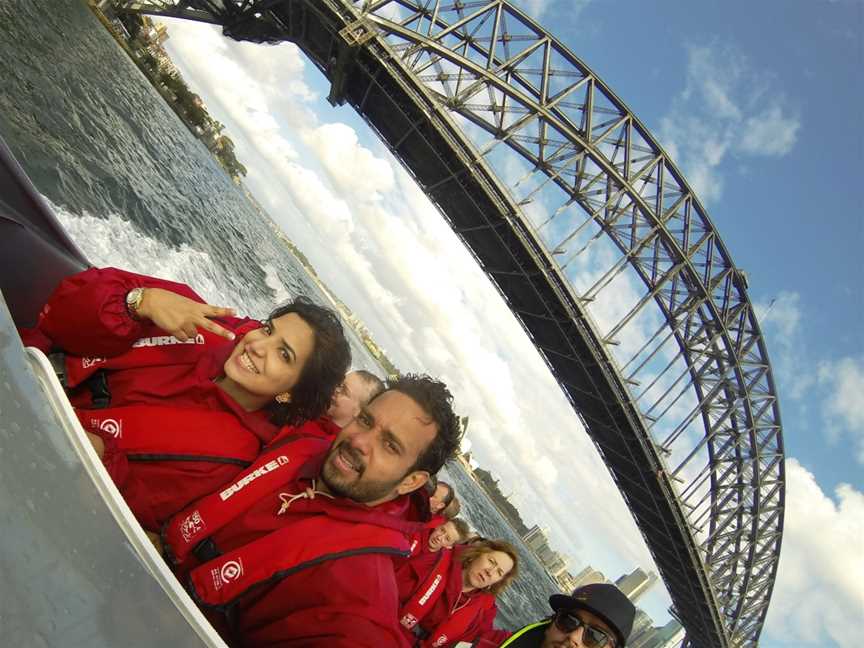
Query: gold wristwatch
pixel 133 302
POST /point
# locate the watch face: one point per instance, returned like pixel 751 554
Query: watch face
pixel 133 299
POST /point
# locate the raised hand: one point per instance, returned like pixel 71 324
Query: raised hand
pixel 181 316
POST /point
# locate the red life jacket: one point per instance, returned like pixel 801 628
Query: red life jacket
pixel 424 598
pixel 153 350
pixel 420 542
pixel 164 458
pixel 322 427
pixel 436 521
pixel 270 472
pixel 332 531
pixel 302 543
pixel 154 433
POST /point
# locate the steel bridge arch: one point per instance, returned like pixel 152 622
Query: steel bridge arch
pixel 720 504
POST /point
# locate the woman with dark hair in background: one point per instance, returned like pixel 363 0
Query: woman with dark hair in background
pixel 449 596
pixel 179 396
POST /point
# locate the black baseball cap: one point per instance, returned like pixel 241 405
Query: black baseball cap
pixel 606 601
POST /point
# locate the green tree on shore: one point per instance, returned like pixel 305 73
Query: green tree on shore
pixel 188 105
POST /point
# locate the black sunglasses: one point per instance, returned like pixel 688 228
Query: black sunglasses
pixel 592 637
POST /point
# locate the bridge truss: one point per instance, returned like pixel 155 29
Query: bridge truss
pixel 601 250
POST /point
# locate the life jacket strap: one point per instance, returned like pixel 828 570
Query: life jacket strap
pixel 100 393
pixel 427 593
pixel 270 472
pixel 272 557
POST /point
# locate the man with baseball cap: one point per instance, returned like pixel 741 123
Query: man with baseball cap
pixel 594 616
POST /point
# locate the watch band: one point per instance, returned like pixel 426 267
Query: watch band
pixel 133 302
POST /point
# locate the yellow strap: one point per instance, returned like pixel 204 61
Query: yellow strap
pixel 522 631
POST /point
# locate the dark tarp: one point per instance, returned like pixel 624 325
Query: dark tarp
pixel 35 250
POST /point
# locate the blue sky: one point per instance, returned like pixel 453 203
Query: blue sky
pixel 760 105
pixel 792 220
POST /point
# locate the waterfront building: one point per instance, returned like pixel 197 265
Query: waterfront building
pixel 645 639
pixel 643 626
pixel 536 537
pixel 670 635
pixel 557 565
pixel 588 576
pixel 566 582
pixel 636 583
pixel 646 635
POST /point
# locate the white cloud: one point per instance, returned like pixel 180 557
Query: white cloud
pixel 727 107
pixel 310 193
pixel 819 592
pixel 714 81
pixel 352 168
pixel 838 383
pixel 844 404
pixel 769 133
pixel 248 103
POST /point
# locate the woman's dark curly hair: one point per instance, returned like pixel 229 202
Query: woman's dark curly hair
pixel 323 372
pixel 437 401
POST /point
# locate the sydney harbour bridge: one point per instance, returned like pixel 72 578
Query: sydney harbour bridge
pixel 600 248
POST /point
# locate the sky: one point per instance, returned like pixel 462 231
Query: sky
pixel 760 105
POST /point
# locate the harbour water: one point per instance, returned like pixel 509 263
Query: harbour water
pixel 136 190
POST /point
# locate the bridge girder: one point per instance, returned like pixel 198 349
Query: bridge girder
pixel 445 87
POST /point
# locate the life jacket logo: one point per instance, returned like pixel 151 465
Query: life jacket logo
pixel 440 641
pixel 431 590
pixel 165 340
pixel 229 572
pixel 86 363
pixel 192 525
pixel 110 426
pixel 408 621
pixel 232 570
pixel 241 483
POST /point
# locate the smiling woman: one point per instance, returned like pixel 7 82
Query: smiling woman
pixel 289 365
pixel 180 414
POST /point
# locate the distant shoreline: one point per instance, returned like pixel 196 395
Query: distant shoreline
pixel 221 146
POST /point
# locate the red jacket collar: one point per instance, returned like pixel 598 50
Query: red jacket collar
pixel 397 514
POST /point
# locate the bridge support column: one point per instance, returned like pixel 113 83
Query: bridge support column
pixel 353 37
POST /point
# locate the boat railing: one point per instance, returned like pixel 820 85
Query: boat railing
pixel 76 567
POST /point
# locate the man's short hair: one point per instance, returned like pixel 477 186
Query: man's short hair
pixel 452 509
pixel 436 400
pixel 461 527
pixel 372 383
pixel 451 493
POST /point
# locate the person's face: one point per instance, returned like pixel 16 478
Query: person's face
pixel 345 404
pixel 369 460
pixel 436 501
pixel 556 635
pixel 268 361
pixel 487 569
pixel 443 536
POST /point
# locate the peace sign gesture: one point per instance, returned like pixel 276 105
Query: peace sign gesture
pixel 181 316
